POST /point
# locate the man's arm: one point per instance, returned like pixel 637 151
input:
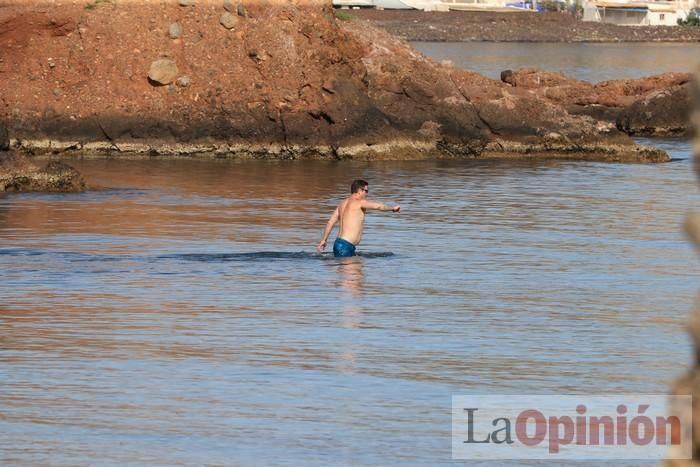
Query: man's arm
pixel 379 206
pixel 327 231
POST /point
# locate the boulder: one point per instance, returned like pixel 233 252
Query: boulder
pixel 163 71
pixel 175 30
pixel 665 112
pixel 655 105
pixel 228 20
pixel 17 174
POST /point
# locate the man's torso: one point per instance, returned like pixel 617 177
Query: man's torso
pixel 352 218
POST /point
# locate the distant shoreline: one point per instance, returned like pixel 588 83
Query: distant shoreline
pixel 482 26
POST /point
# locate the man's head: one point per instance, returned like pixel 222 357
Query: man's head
pixel 359 186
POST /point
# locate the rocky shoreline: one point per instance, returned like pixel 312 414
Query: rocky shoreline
pixel 476 26
pixel 279 80
pixel 18 174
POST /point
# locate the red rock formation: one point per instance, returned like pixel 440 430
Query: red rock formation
pixel 656 105
pixel 287 80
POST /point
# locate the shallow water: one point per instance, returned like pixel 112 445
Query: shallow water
pixel 179 314
pixel 586 61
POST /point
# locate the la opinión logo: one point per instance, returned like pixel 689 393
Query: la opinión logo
pixel 580 429
pixel 575 427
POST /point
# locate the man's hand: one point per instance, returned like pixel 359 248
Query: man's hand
pixel 396 208
pixel 321 246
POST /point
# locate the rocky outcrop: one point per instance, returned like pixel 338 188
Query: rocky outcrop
pixel 288 81
pixel 17 174
pixel 652 106
pixel 663 112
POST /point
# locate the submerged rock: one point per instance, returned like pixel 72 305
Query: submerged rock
pixel 17 174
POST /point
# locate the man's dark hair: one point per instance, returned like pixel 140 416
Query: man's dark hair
pixel 357 185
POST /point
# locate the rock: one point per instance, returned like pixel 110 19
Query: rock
pixel 175 30
pixel 228 20
pixel 228 6
pixel 655 105
pixel 329 89
pixel 183 81
pixel 240 9
pixel 197 36
pixel 17 174
pixel 186 2
pixel 4 139
pixel 665 112
pixel 163 71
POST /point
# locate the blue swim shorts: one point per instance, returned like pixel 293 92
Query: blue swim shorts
pixel 343 248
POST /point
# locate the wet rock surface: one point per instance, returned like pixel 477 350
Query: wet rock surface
pixel 19 174
pixel 287 82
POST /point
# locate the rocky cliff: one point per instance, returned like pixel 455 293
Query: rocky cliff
pixel 262 79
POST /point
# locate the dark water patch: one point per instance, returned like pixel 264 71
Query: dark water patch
pixel 266 256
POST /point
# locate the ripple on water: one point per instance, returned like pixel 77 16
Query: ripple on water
pixel 181 315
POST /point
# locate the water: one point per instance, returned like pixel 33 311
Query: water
pixel 178 313
pixel 585 61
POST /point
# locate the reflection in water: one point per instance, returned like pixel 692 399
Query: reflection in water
pixel 180 315
pixel 351 276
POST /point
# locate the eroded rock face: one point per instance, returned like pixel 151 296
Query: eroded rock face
pixel 17 174
pixel 656 105
pixel 288 81
pixel 663 112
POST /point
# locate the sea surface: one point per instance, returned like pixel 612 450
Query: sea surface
pixel 178 314
pixel 593 62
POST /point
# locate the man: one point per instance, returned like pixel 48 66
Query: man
pixel 351 214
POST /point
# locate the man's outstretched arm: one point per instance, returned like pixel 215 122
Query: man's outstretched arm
pixel 380 206
pixel 327 231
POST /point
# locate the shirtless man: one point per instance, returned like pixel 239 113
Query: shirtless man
pixel 351 214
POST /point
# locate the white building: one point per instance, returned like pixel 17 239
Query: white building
pixel 436 5
pixel 637 13
pixel 427 5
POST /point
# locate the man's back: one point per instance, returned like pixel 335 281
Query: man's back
pixel 352 218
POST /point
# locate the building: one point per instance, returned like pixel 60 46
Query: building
pixel 637 13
